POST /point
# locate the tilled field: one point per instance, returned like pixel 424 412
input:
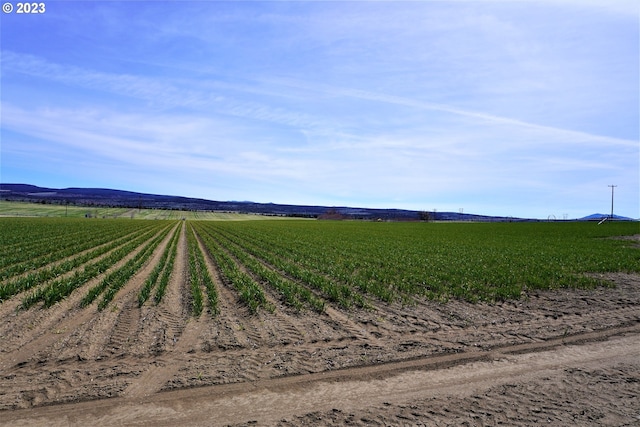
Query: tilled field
pixel 66 355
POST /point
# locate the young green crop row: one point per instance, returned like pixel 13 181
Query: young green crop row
pixel 115 280
pixel 65 254
pixel 54 291
pixel 200 278
pixel 73 254
pixel 293 293
pixel 250 292
pixel 161 272
pixel 350 262
pixel 61 241
pixel 20 233
pixel 28 281
pixel 307 264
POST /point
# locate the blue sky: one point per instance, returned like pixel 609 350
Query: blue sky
pixel 515 108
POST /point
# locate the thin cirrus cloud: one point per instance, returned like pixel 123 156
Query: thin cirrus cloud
pixel 171 95
pixel 504 108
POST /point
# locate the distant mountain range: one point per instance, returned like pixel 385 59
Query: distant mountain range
pixel 119 198
pixel 599 217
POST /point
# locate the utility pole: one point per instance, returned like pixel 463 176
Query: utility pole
pixel 612 187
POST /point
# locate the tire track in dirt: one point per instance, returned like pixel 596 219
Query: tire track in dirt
pixel 225 351
pixel 153 379
pixel 346 328
pixel 39 319
pixel 125 328
pixel 55 382
pixel 393 385
pixel 229 330
pixel 184 331
pixel 454 326
pixel 167 320
pixel 57 322
pixel 589 392
pixel 115 331
pixel 211 367
pixel 172 317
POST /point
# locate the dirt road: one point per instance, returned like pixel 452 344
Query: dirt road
pixel 564 381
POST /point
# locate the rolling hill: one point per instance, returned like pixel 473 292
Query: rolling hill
pixel 120 198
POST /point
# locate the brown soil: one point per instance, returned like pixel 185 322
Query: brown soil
pixel 558 358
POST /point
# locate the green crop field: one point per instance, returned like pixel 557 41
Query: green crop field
pixel 349 263
pixel 306 264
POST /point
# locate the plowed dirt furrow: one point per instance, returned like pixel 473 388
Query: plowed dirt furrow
pixel 54 323
pixel 229 329
pixel 165 366
pixel 238 352
pixel 60 261
pixel 166 321
pixel 336 321
pixel 116 329
pixel 184 339
pixel 252 332
pixel 45 318
pixel 125 329
pixel 317 293
pixel 176 335
pixel 122 339
pixel 270 295
pixel 411 392
pixel 69 325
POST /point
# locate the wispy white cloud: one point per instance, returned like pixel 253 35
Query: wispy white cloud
pixel 567 135
pixel 387 104
pixel 171 94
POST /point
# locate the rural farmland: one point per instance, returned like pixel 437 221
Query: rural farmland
pixel 120 310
